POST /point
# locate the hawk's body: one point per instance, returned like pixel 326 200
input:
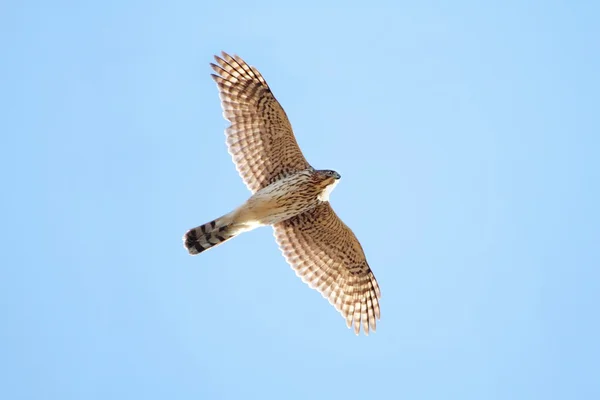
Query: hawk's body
pixel 288 194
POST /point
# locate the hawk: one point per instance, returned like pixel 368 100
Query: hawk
pixel 289 194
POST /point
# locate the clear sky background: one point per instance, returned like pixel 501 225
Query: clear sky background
pixel 467 140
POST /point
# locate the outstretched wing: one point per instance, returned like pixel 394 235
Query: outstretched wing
pixel 260 138
pixel 327 256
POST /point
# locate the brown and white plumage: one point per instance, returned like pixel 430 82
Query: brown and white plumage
pixel 327 256
pixel 288 194
pixel 260 138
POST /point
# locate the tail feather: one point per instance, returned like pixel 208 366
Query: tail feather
pixel 209 235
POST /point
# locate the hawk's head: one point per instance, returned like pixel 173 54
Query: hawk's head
pixel 327 181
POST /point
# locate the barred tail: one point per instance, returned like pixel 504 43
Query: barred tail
pixel 212 234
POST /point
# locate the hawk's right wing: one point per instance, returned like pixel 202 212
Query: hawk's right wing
pixel 327 256
pixel 260 138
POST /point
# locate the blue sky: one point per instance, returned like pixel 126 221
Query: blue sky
pixel 467 138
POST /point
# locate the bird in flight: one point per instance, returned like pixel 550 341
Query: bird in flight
pixel 289 194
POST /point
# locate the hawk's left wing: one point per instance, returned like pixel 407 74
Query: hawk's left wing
pixel 327 256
